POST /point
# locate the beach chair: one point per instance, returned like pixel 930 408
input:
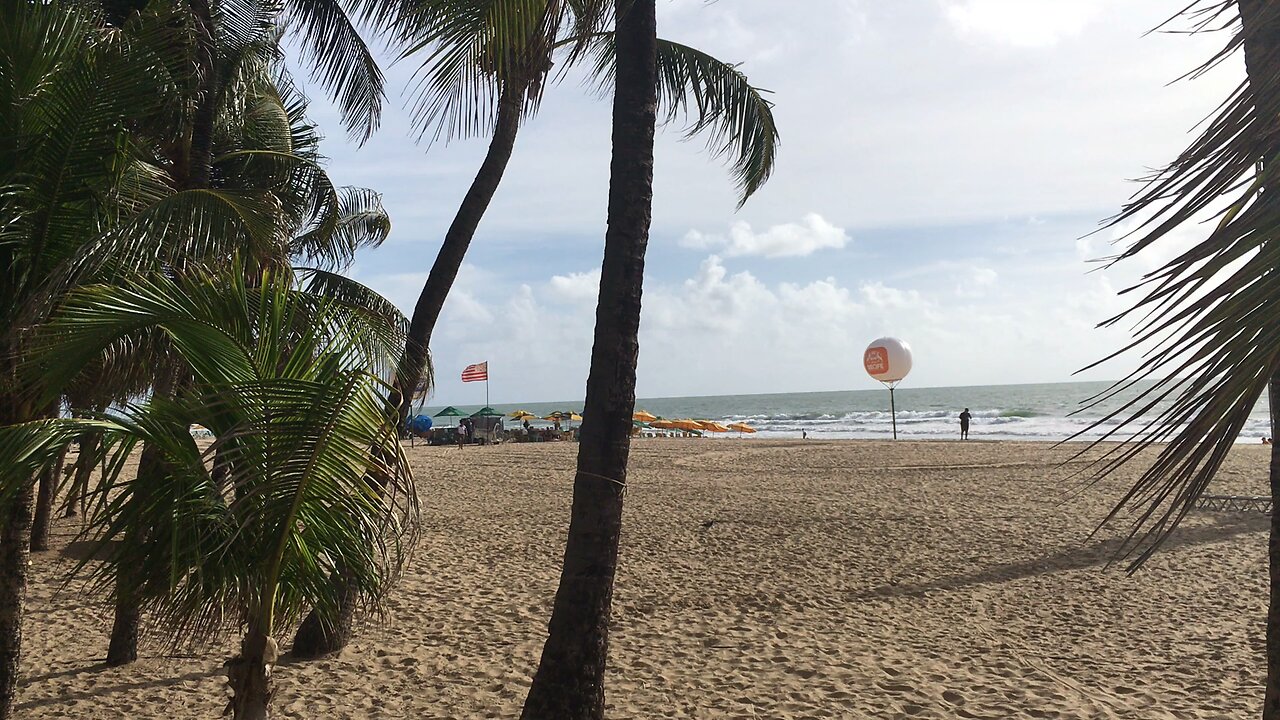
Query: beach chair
pixel 1234 503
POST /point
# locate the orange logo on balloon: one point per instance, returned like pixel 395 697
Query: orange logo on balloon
pixel 876 361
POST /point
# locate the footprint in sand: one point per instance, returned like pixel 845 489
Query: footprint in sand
pixel 953 697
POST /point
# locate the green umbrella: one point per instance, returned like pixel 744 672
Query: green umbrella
pixel 487 411
pixel 450 411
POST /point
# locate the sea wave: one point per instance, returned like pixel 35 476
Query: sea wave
pixel 988 423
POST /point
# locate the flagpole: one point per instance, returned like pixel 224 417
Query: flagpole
pixel 486 387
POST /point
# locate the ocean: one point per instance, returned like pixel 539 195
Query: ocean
pixel 1000 412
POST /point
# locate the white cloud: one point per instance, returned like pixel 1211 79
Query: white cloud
pixel 576 287
pixel 1021 23
pixel 811 234
pixel 975 281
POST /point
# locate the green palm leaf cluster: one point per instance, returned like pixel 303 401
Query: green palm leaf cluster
pixel 1207 318
pixel 158 179
pixel 306 476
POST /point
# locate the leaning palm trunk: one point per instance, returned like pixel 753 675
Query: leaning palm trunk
pixel 456 241
pixel 15 535
pixel 316 637
pixel 569 683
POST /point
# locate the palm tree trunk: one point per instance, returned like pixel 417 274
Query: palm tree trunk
pixel 1260 27
pixel 200 152
pixel 14 554
pixel 456 241
pixel 82 470
pixel 123 646
pixel 569 682
pixel 1271 699
pixel 315 637
pixel 45 491
pixel 249 675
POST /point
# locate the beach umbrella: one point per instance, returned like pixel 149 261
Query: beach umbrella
pixel 742 428
pixel 643 416
pixel 663 425
pixel 686 424
pixel 487 411
pixel 711 426
pixel 450 411
pixel 522 415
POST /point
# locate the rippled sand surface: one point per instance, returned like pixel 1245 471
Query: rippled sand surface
pixel 759 579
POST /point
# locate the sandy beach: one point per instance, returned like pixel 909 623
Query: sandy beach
pixel 759 579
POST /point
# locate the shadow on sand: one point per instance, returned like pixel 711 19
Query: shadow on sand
pixel 1075 557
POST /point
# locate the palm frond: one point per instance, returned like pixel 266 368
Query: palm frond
pixel 1207 317
pixel 359 222
pixel 473 50
pixel 733 115
pixel 316 479
pixel 341 61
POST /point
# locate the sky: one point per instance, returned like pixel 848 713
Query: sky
pixel 944 171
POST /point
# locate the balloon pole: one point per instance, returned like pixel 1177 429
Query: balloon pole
pixel 893 410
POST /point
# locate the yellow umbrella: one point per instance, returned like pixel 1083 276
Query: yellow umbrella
pixel 712 426
pixel 524 415
pixel 663 425
pixel 742 428
pixel 691 425
pixel 643 416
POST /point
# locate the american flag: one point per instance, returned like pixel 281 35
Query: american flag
pixel 475 373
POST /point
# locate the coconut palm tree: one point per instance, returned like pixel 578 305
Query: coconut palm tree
pixel 289 382
pixel 1209 315
pixel 569 682
pixel 486 65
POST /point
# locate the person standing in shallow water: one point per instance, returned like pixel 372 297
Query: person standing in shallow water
pixel 964 424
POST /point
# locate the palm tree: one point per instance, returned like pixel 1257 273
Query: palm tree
pixel 487 63
pixel 569 683
pixel 1209 315
pixel 67 94
pixel 289 383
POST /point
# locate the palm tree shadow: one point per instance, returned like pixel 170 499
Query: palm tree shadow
pixel 1074 557
pixel 101 691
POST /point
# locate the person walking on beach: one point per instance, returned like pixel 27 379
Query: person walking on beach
pixel 964 424
pixel 461 434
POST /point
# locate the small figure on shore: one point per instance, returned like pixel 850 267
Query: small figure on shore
pixel 461 434
pixel 1266 441
pixel 964 424
pixel 804 434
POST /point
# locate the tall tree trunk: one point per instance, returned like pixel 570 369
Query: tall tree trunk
pixel 82 470
pixel 45 492
pixel 1271 699
pixel 199 162
pixel 316 637
pixel 249 675
pixel 123 648
pixel 1261 42
pixel 15 538
pixel 454 249
pixel 569 683
pixel 14 553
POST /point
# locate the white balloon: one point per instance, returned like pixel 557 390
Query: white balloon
pixel 887 359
